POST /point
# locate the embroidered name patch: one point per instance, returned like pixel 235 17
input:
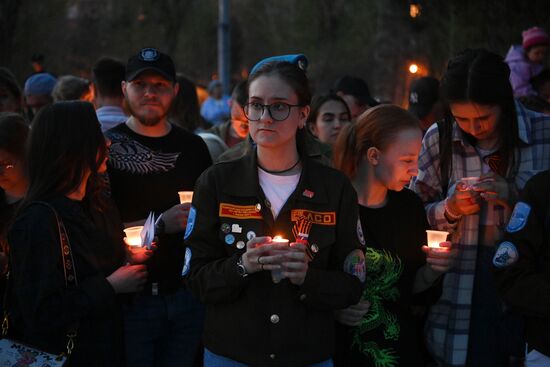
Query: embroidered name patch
pixel 322 218
pixel 239 211
pixel 506 255
pixel 519 217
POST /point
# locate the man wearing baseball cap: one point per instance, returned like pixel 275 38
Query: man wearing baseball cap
pixel 150 160
pixel 424 101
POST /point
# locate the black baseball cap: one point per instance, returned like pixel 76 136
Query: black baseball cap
pixel 150 59
pixel 423 94
pixel 356 87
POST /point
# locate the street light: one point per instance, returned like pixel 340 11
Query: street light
pixel 413 68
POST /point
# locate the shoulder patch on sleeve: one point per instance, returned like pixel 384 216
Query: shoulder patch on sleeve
pixel 187 262
pixel 190 222
pixel 360 235
pixel 519 217
pixel 355 264
pixel 506 255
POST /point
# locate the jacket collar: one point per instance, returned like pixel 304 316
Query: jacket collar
pixel 245 181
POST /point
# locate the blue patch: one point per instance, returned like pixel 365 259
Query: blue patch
pixel 519 217
pixel 506 255
pixel 230 239
pixel 187 262
pixel 190 222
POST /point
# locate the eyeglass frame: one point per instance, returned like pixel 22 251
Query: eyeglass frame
pixel 268 106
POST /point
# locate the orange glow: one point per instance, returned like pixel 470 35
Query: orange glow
pixel 280 240
pixel 413 68
pixel 414 10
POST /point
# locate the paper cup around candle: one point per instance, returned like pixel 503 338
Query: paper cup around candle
pixel 277 275
pixel 133 235
pixel 185 196
pixel 436 237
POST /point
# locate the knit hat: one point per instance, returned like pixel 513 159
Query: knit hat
pixel 534 36
pixel 40 84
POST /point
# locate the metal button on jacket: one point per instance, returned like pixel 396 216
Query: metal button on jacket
pixel 274 318
pixel 303 297
pixel 272 356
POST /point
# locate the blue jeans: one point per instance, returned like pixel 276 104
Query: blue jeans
pixel 163 330
pixel 214 360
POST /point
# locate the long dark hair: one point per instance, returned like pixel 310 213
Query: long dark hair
pixel 185 110
pixel 297 79
pixel 482 77
pixel 65 144
pixel 13 133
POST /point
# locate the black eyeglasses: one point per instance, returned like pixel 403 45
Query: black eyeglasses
pixel 278 111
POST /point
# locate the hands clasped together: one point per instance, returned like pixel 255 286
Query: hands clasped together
pixel 262 254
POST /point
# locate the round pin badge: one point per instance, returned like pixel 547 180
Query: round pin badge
pixel 314 248
pixel 229 239
pixel 250 235
pixel 258 207
pixel 240 245
pixel 225 228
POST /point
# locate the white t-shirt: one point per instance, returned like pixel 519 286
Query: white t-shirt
pixel 277 189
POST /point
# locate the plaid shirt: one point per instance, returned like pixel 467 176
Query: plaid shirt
pixel 449 319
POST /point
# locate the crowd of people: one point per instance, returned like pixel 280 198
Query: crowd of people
pixel 305 242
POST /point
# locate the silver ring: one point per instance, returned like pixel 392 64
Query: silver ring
pixel 259 261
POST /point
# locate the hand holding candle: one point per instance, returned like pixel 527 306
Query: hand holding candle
pixel 277 274
pixel 439 253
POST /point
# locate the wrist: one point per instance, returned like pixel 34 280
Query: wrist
pixel 451 215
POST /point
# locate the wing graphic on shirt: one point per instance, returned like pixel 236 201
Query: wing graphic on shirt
pixel 126 154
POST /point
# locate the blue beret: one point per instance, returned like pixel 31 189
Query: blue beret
pixel 299 60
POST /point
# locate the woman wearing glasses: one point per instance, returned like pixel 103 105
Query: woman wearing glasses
pixel 269 303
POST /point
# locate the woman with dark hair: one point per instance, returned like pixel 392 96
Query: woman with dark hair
pixel 329 114
pixel 66 153
pixel 286 318
pixel 379 153
pixel 185 110
pixel 13 182
pixel 471 168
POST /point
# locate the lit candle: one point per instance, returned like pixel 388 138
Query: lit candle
pixel 185 196
pixel 279 240
pixel 436 237
pixel 133 236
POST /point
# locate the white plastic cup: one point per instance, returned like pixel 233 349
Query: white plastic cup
pixel 436 237
pixel 277 275
pixel 133 236
pixel 185 196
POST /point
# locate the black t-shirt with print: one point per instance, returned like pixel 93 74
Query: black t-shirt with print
pixel 394 235
pixel 145 175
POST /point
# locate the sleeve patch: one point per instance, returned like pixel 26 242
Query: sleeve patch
pixel 506 255
pixel 190 222
pixel 519 217
pixel 360 235
pixel 355 264
pixel 187 262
